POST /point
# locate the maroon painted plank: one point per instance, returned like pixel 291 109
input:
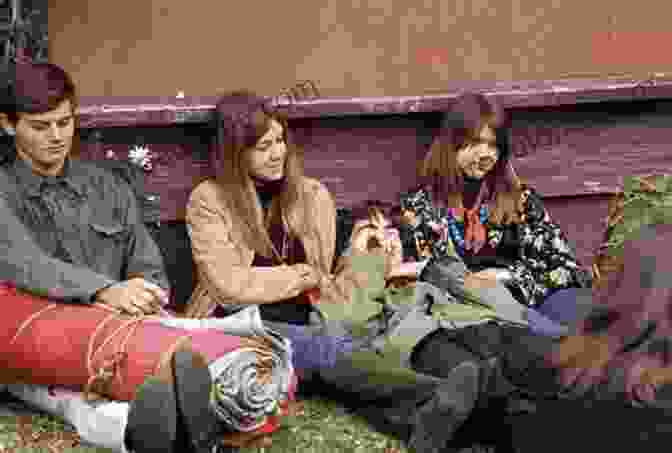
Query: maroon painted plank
pixel 589 152
pixel 362 158
pixel 567 153
pixel 127 111
pixel 181 163
pixel 563 152
pixel 582 220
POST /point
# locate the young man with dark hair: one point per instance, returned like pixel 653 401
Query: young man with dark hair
pixel 71 232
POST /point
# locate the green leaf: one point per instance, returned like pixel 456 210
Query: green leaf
pixel 629 183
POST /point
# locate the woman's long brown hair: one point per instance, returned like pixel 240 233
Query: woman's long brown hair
pixel 242 119
pixel 461 126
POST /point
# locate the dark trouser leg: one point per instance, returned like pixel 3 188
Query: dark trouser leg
pixel 358 375
pixel 440 352
pixel 584 426
pixel 421 409
pixel 520 357
pixel 599 420
pixel 538 414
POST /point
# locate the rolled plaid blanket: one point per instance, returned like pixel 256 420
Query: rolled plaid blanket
pixel 244 394
pixel 93 348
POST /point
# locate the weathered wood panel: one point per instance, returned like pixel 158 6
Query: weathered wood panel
pixel 582 219
pixel 110 111
pixel 574 155
pixel 361 158
pixel 586 150
pixel 182 159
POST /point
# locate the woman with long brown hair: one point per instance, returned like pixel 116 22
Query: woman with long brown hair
pixel 606 385
pixel 261 189
pixel 471 197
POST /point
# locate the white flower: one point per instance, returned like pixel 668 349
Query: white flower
pixel 141 156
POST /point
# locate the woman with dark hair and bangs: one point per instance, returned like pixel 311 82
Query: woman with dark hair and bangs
pixel 472 203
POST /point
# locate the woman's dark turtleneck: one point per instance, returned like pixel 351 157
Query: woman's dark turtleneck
pixel 291 311
pixel 470 191
pixel 266 189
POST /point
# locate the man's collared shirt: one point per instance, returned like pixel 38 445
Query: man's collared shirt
pixel 85 218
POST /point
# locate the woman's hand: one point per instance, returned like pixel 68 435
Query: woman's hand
pixel 484 279
pixel 311 278
pixel 373 236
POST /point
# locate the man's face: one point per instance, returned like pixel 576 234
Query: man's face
pixel 44 140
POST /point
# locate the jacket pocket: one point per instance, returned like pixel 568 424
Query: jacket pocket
pixel 107 247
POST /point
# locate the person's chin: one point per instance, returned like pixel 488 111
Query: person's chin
pixel 476 174
pixel 54 158
pixel 273 176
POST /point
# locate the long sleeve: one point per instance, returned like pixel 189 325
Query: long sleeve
pixel 546 260
pixel 220 263
pixel 29 268
pixel 144 257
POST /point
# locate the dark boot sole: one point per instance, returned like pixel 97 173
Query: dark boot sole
pixel 439 418
pixel 197 422
pixel 152 419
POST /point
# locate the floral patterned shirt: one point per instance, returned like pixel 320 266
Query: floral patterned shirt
pixel 535 252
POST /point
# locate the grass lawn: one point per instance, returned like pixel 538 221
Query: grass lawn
pixel 322 427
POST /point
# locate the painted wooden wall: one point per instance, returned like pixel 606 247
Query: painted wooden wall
pixel 575 155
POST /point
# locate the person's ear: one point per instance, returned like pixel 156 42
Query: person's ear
pixel 6 125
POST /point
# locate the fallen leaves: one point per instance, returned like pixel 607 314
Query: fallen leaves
pixel 27 434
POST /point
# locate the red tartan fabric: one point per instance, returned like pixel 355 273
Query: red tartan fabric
pixel 53 347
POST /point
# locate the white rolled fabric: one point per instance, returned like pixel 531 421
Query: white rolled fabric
pixel 101 423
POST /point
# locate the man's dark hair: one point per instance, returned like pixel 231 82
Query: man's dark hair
pixel 35 88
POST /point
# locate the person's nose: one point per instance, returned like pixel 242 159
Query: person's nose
pixel 486 150
pixel 278 152
pixel 55 133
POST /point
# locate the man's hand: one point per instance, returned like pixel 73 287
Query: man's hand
pixel 136 296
